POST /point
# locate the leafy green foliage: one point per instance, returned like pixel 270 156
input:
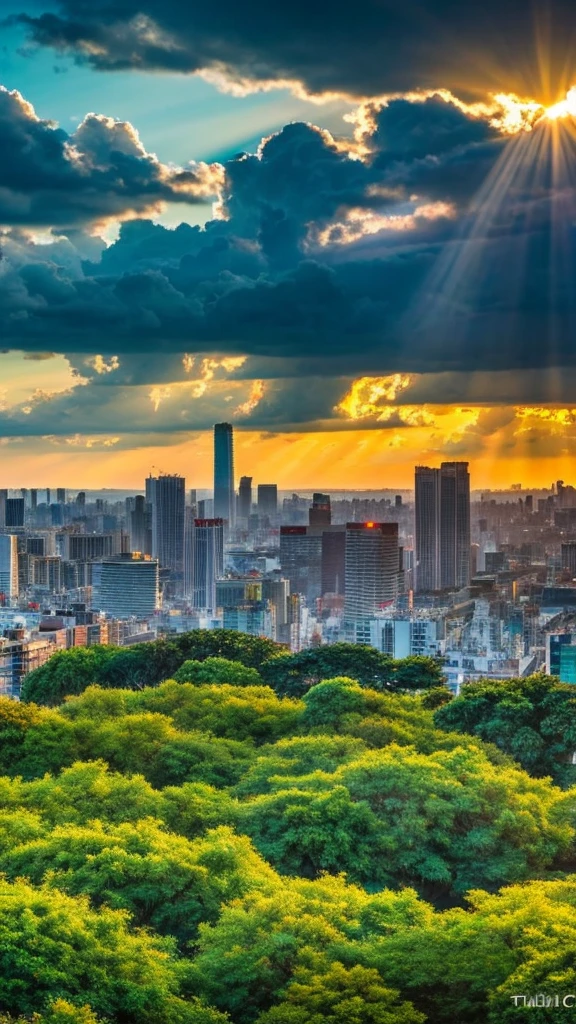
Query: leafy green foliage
pixel 52 944
pixel 532 719
pixel 340 848
pixel 294 675
pixel 70 672
pixel 340 996
pixel 217 670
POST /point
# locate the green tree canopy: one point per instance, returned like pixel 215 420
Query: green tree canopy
pixel 532 719
pixel 53 946
pixel 295 674
pixel 217 670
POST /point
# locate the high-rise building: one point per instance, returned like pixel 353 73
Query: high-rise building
pixel 267 501
pixel 333 559
pixel 442 524
pixel 244 505
pixel 208 561
pixel 80 547
pixel 568 557
pixel 8 567
pixel 14 513
pixel 140 521
pixel 34 498
pixel 427 528
pixel 224 493
pixel 167 497
pixel 189 518
pixel 128 586
pixel 61 495
pixel 45 573
pixel 301 560
pixel 276 590
pixel 372 561
pixel 319 513
pixel 454 525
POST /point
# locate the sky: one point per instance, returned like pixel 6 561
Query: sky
pixel 350 232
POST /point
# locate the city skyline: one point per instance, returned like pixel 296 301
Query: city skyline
pixel 359 262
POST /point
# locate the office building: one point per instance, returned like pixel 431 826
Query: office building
pixel 189 519
pixel 568 664
pixel 276 590
pixel 372 560
pixel 320 513
pixel 442 526
pixel 267 501
pixel 61 495
pixel 207 562
pixel 45 573
pixel 454 525
pixel 333 559
pixel 85 547
pixel 568 557
pixel 128 586
pixel 554 644
pixel 14 513
pixel 301 560
pixel 244 505
pixel 427 528
pixel 224 493
pixel 8 568
pixel 140 520
pixel 403 637
pixel 167 498
pixel 494 561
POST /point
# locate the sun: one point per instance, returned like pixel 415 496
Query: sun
pixel 565 108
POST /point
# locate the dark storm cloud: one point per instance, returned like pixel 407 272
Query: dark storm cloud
pixel 363 49
pixel 48 177
pixel 361 265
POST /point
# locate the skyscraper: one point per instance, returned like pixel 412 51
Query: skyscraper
pixel 301 560
pixel 8 567
pixel 268 500
pixel 427 528
pixel 319 513
pixel 166 495
pixel 207 561
pixel 224 493
pixel 372 562
pixel 245 497
pixel 454 525
pixel 442 527
pixel 141 525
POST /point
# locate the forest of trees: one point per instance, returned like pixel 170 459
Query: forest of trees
pixel 254 837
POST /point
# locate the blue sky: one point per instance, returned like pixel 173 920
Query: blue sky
pixel 180 117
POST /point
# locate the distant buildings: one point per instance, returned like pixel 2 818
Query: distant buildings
pixel 268 501
pixel 319 513
pixel 167 496
pixel 301 560
pixel 128 586
pixel 442 527
pixel 8 568
pixel 207 562
pixel 224 493
pixel 371 569
pixel 244 505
